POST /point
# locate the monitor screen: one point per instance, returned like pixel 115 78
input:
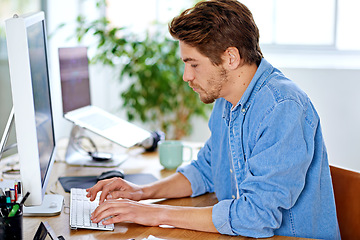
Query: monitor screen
pixel 74 74
pixel 41 95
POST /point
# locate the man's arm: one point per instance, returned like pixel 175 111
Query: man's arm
pixel 174 186
pixel 121 210
pixel 201 218
pixel 177 186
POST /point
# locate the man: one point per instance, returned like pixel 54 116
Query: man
pixel 265 160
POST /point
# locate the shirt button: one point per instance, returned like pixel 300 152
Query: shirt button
pixel 233 196
pixel 231 170
pixel 243 110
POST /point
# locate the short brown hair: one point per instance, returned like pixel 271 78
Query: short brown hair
pixel 214 25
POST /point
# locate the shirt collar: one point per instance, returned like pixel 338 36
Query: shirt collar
pixel 262 73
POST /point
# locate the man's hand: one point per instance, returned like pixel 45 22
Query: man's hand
pixel 174 186
pixel 115 188
pixel 121 210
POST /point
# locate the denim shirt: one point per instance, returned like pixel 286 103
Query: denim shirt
pixel 267 163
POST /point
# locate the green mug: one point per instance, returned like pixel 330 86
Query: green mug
pixel 171 153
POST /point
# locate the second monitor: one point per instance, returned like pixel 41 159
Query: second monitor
pixel 77 108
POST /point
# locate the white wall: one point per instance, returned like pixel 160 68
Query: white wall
pixel 335 94
pixel 55 17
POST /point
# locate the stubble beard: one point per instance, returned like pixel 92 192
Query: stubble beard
pixel 216 84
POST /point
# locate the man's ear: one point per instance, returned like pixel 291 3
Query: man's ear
pixel 232 58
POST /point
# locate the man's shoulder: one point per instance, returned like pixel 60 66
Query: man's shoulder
pixel 281 88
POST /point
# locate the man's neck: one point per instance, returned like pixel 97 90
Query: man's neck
pixel 240 79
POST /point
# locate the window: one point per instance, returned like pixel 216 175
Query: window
pixel 348 34
pixel 141 14
pixel 7 10
pixel 323 24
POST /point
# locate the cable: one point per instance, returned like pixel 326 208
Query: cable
pixel 94 153
pixel 80 145
pixel 14 145
pixel 149 144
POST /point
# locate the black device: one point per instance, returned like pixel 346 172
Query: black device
pixel 44 230
pixel 151 143
pixel 110 174
pixel 100 156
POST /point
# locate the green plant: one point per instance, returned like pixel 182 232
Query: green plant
pixel 156 93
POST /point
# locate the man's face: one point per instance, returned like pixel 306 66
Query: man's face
pixel 202 76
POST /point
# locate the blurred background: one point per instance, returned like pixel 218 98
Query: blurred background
pixel 314 43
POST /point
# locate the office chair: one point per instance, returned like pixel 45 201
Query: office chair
pixel 346 186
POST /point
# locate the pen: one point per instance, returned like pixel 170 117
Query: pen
pixel 12 195
pixel 16 191
pixel 19 190
pixel 24 198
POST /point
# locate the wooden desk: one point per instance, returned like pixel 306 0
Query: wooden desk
pixel 144 163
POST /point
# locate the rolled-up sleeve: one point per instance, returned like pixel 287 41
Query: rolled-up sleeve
pixel 221 216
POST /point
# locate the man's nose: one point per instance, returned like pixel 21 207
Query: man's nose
pixel 188 74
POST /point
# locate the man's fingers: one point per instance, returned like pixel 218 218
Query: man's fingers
pixel 107 209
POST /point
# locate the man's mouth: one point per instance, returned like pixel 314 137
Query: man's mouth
pixel 194 88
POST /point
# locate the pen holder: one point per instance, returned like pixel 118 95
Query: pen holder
pixel 11 227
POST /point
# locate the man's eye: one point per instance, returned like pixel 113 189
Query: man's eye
pixel 194 65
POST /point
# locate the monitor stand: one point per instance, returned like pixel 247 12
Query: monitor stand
pixel 77 156
pixel 6 133
pixel 51 206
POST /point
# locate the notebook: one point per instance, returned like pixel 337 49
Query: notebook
pixel 76 100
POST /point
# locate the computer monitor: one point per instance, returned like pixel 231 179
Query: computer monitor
pixel 34 123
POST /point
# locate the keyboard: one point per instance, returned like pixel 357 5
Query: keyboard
pixel 80 211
